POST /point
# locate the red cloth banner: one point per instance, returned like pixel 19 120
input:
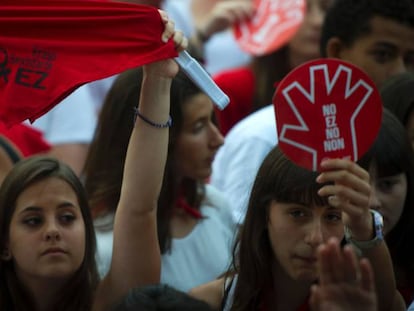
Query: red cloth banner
pixel 49 48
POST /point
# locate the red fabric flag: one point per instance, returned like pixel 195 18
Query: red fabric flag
pixel 49 48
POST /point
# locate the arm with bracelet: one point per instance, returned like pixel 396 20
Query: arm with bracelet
pixel 136 258
pixel 362 225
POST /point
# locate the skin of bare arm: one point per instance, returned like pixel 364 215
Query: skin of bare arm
pixel 136 259
pixel 351 192
pixel 345 282
pixel 348 189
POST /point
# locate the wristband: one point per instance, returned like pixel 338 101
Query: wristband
pixel 378 222
pixel 148 121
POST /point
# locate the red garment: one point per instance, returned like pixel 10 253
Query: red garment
pixel 407 293
pixel 190 210
pixel 238 84
pixel 49 48
pixel 26 139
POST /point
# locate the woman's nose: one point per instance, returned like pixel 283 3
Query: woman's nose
pixel 374 201
pixel 51 232
pixel 216 138
pixel 314 236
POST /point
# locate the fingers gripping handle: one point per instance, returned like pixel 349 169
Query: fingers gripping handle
pixel 202 79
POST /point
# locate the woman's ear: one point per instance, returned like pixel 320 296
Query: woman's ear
pixel 334 47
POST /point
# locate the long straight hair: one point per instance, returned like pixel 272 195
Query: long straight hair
pixel 392 154
pixel 105 161
pixel 279 180
pixel 78 293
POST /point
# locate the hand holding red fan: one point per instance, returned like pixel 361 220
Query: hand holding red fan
pixel 275 23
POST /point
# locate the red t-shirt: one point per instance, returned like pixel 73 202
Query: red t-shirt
pixel 407 293
pixel 238 84
pixel 49 48
pixel 26 139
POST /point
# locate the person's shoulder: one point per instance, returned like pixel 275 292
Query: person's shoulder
pixel 211 292
pixel 213 195
pixel 218 200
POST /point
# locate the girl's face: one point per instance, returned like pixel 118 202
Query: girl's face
pixel 47 232
pixel 388 197
pixel 199 139
pixel 295 231
pixel 305 44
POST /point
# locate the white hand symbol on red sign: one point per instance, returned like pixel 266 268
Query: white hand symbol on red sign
pixel 275 22
pixel 324 115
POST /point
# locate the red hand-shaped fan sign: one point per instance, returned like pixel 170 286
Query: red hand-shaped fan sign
pixel 275 23
pixel 326 109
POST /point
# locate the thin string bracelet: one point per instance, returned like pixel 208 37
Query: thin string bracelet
pixel 148 121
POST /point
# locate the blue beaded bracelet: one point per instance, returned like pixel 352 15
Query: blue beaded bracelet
pixel 148 121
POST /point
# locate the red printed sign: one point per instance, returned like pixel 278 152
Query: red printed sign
pixel 275 23
pixel 326 108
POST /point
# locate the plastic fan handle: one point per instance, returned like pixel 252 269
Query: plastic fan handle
pixel 202 79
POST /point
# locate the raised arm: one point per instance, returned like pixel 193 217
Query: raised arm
pixel 136 258
pixel 351 192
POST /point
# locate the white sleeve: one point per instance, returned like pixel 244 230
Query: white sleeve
pixel 72 121
pixel 235 169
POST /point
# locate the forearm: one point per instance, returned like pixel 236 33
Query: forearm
pixel 136 255
pixel 147 152
pixel 387 293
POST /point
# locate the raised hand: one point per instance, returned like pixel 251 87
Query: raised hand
pixel 345 283
pixel 225 14
pixel 167 68
pixel 348 188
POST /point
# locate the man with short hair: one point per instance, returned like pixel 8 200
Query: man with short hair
pixel 375 35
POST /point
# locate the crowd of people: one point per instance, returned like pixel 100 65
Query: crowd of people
pixel 156 200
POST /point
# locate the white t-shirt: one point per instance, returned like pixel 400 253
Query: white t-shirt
pixel 199 257
pixel 238 160
pixel 71 121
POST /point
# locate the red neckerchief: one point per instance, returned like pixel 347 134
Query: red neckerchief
pixel 190 210
pixel 407 293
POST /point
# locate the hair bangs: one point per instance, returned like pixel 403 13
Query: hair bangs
pixel 294 184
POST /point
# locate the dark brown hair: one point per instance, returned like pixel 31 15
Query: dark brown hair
pixel 398 96
pixel 280 180
pixel 78 293
pixel 268 70
pixel 105 161
pixel 392 154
